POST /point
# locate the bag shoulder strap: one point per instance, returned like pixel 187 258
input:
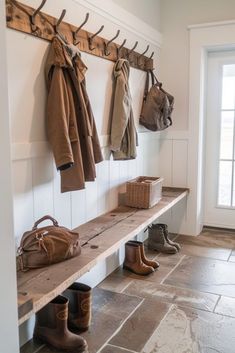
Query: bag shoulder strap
pixel 146 88
pixel 154 79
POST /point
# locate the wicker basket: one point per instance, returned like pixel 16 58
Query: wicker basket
pixel 144 192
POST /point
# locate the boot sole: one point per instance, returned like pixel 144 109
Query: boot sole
pixel 140 274
pixel 41 340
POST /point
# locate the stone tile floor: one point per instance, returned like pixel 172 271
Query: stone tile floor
pixel 186 306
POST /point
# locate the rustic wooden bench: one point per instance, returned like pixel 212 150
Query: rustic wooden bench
pixel 100 238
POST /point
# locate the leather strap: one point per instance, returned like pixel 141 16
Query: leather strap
pixel 152 77
pixel 146 88
pixel 47 217
pixel 154 81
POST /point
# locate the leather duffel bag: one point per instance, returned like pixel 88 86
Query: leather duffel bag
pixel 47 245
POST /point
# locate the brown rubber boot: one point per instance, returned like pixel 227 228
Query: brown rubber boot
pixel 51 327
pixel 133 261
pixel 146 261
pixel 166 235
pixel 79 296
pixel 157 241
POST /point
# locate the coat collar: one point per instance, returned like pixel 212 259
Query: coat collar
pixel 63 55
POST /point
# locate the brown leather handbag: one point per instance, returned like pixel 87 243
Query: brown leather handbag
pixel 157 106
pixel 47 245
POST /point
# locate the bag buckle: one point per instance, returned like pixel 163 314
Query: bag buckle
pixel 40 236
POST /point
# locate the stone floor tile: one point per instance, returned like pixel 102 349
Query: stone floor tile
pixel 109 311
pixel 115 283
pixel 114 349
pixel 167 263
pixel 192 331
pixel 140 325
pixel 226 306
pixel 204 247
pixel 181 296
pixel 205 275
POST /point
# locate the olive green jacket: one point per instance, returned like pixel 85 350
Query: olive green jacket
pixel 123 136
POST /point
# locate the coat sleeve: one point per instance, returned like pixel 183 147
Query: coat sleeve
pixel 58 120
pixel 120 114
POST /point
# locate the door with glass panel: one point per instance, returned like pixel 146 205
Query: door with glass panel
pixel 219 191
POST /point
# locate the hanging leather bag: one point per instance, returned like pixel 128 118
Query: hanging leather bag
pixel 47 245
pixel 157 106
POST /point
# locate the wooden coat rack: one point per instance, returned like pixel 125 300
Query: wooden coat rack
pixel 34 22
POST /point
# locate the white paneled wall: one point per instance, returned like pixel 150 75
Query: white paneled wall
pixel 173 167
pixel 173 156
pixel 37 187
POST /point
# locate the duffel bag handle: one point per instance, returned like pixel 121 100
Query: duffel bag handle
pixel 47 217
pixel 154 79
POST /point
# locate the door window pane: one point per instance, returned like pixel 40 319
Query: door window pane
pixel 228 93
pixel 225 183
pixel 228 88
pixel 226 135
pixel 233 187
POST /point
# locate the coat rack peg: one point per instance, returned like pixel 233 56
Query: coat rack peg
pixel 58 25
pixel 91 38
pixel 36 23
pixel 32 17
pixel 59 21
pixel 120 48
pixel 140 56
pixel 75 42
pixel 131 50
pixel 106 45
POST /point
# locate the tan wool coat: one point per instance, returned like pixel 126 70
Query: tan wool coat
pixel 123 135
pixel 70 124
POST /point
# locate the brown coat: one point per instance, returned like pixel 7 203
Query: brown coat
pixel 70 122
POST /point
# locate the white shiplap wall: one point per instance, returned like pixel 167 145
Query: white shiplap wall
pixel 37 187
pixel 173 166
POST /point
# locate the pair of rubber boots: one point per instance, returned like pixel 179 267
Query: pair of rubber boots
pixel 136 261
pixel 158 239
pixel 68 312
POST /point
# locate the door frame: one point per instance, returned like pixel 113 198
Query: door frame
pixel 203 38
pixel 215 215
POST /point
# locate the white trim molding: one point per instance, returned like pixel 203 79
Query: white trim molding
pixel 116 14
pixel 202 40
pixel 28 150
pixel 212 24
pixel 175 134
